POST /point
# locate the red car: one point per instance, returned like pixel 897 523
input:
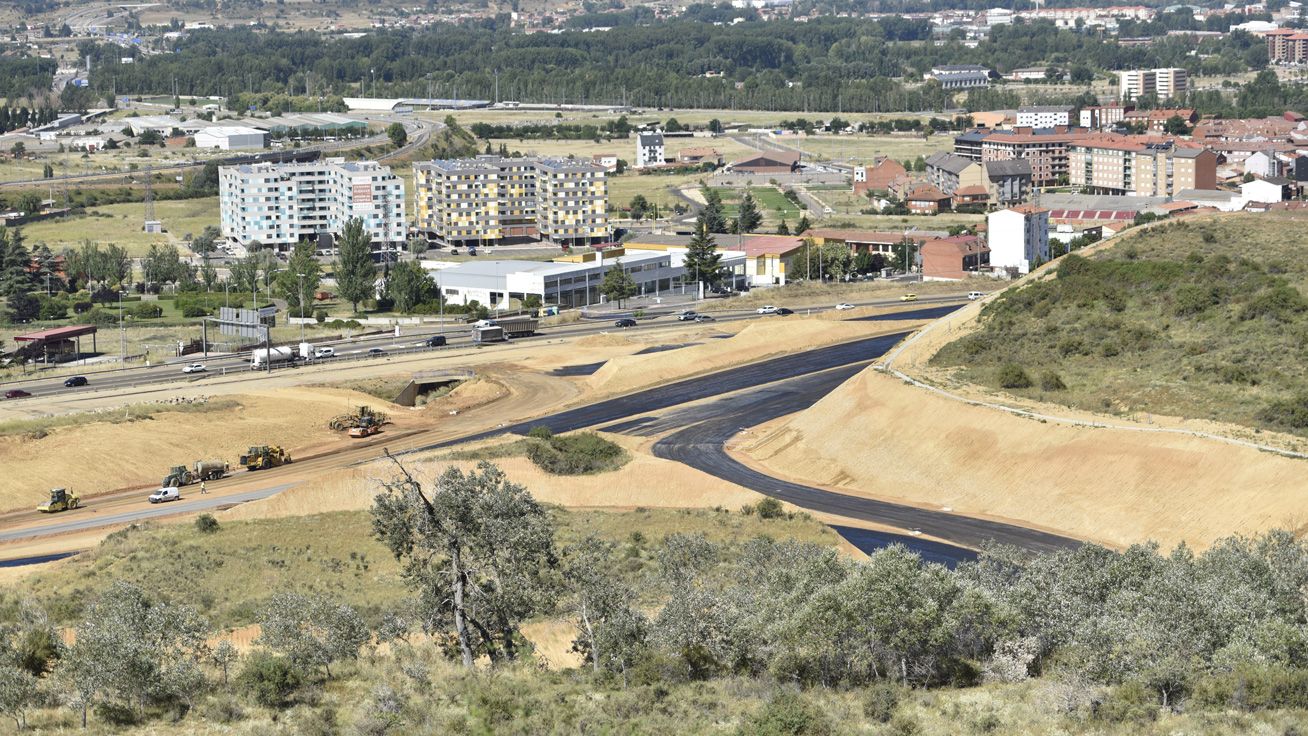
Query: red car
pixel 16 393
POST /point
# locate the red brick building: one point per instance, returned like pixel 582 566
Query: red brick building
pixel 954 258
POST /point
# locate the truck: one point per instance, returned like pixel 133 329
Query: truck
pixel 262 457
pixel 163 495
pixel 60 500
pixel 265 357
pixel 518 326
pixel 180 475
pixel 487 333
pixel 306 351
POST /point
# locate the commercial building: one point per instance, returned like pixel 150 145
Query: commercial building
pixel 1103 117
pixel 1164 84
pixel 1044 116
pixel 490 200
pixel 649 150
pixel 231 137
pixel 1018 238
pixel 279 205
pixel 1137 166
pixel 770 162
pixel 759 260
pixel 960 76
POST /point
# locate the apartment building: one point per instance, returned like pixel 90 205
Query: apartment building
pixel 279 205
pixel 1018 238
pixel 1286 46
pixel 489 200
pixel 1165 84
pixel 1140 167
pixel 572 201
pixel 1103 117
pixel 949 172
pixel 1045 149
pixel 649 150
pixel 1044 116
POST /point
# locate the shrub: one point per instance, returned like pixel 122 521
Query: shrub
pixel 82 307
pixel 194 310
pixel 53 309
pixel 540 432
pixel 788 714
pixel 770 508
pixel 1131 702
pixel 116 714
pixel 1289 413
pixel 145 310
pixel 1051 381
pixel 223 710
pixel 881 700
pixel 206 524
pixel 1011 375
pixel 576 454
pixel 101 317
pixel 270 680
pixel 1254 687
pixel 320 315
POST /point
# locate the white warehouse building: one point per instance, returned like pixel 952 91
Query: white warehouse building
pixel 231 137
pixel 569 284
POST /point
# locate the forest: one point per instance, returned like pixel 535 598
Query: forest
pixel 826 64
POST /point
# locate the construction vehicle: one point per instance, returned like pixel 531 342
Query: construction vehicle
pixel 262 457
pixel 365 428
pixel 265 357
pixel 180 475
pixel 342 422
pixel 60 500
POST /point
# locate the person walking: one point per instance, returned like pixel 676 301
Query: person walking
pixel 203 490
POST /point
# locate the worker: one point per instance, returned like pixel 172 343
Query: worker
pixel 203 490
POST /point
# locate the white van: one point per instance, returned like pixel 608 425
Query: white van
pixel 974 295
pixel 324 352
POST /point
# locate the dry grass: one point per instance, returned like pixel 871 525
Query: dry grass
pixel 121 224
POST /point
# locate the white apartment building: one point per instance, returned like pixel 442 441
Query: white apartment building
pixel 1018 237
pixel 649 150
pixel 487 200
pixel 279 205
pixel 1044 116
pixel 1166 84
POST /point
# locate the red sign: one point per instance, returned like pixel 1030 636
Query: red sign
pixel 362 194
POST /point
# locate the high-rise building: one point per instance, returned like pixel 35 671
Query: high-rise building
pixel 1165 84
pixel 279 205
pixel 487 200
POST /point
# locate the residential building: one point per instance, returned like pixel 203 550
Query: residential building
pixel 699 155
pixel 947 172
pixel 998 17
pixel 768 162
pixel 1030 73
pixel 954 258
pixel 227 138
pixel 971 143
pixel 279 205
pixel 485 200
pixel 1044 116
pixel 1156 120
pixel 1263 163
pixel 1286 46
pixel 649 150
pixel 1008 182
pixel 1018 238
pixel 960 76
pixel 1044 148
pixel 970 195
pixel 572 201
pixel 1103 117
pixel 879 177
pixel 606 161
pixel 1135 165
pixel 872 241
pixel 927 200
pixel 1164 84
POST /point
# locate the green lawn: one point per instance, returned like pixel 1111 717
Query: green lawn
pixel 123 224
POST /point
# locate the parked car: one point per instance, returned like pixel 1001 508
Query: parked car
pixel 974 295
pixel 844 305
pixel 165 494
pixel 75 381
pixel 324 352
pixel 435 341
pixel 908 298
pixel 782 312
pixel 769 309
pixel 686 316
pixel 704 318
pixel 194 368
pixel 376 351
pixel 16 393
pixel 625 322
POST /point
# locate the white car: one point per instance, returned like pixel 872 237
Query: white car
pixel 769 309
pixel 325 352
pixel 843 306
pixel 194 368
pixel 164 495
pixel 687 316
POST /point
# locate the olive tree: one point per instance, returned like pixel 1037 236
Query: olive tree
pixel 312 630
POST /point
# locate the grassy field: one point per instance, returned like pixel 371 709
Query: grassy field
pixel 865 148
pixel 123 224
pixel 1197 319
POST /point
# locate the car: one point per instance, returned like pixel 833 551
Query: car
pixel 704 318
pixel 16 393
pixel 686 316
pixel 908 298
pixel 782 312
pixel 625 322
pixel 194 368
pixel 974 295
pixel 768 309
pixel 472 251
pixel 75 381
pixel 376 351
pixel 435 341
pixel 844 305
pixel 324 352
pixel 164 495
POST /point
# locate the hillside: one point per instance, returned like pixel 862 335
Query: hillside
pixel 1203 320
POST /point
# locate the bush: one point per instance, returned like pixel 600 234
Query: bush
pixel 102 317
pixel 145 310
pixel 1051 381
pixel 194 310
pixel 1131 702
pixel 770 508
pixel 1254 687
pixel 269 679
pixel 116 714
pixel 320 315
pixel 82 307
pixel 223 710
pixel 577 454
pixel 1011 375
pixel 206 524
pixel 53 309
pixel 540 432
pixel 1288 413
pixel 788 714
pixel 881 700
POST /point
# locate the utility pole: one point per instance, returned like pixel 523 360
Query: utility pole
pixel 301 275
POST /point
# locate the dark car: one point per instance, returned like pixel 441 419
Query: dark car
pixel 782 312
pixel 75 381
pixel 16 393
pixel 625 322
pixel 376 351
pixel 435 341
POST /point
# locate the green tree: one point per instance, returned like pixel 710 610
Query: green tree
pixel 749 218
pixel 15 263
pixel 803 225
pixel 356 274
pixel 163 264
pixel 409 285
pixel 29 203
pixel 22 307
pixel 1176 125
pixel 639 207
pixel 311 630
pixel 715 126
pixel 703 262
pixel 299 281
pixel 713 214
pixel 611 631
pixel 618 285
pixel 398 135
pixel 783 228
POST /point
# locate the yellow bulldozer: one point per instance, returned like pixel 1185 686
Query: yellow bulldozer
pixel 262 457
pixel 60 500
pixel 365 416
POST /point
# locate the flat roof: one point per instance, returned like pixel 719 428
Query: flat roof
pixel 56 333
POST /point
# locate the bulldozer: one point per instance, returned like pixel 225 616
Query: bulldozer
pixel 180 475
pixel 262 457
pixel 60 500
pixel 343 422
